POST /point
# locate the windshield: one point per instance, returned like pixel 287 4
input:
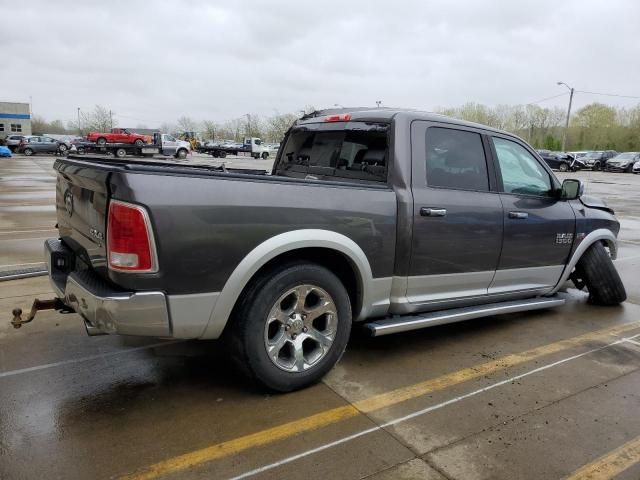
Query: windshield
pixel 625 156
pixel 593 155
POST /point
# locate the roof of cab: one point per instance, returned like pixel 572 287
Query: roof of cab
pixel 384 114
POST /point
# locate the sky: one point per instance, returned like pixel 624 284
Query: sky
pixel 152 62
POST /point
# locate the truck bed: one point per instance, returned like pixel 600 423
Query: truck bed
pixel 207 219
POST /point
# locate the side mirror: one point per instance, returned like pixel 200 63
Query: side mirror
pixel 571 189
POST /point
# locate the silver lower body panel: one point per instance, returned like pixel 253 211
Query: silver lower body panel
pixel 415 322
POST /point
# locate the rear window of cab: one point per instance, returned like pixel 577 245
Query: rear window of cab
pixel 348 151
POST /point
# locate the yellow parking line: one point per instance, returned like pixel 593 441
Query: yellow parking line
pixel 611 464
pixel 377 402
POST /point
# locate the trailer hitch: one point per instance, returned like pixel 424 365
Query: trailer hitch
pixel 53 304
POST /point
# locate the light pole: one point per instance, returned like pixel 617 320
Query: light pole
pixel 566 123
pixel 79 130
pixel 378 103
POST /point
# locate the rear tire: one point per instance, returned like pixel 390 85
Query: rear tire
pixel 276 338
pixel 120 152
pixel 599 274
pixel 28 152
pixel 223 154
pixel 564 167
pixel 596 166
pixel 138 143
pixel 265 155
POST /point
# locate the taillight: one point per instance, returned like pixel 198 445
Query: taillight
pixel 339 117
pixel 130 243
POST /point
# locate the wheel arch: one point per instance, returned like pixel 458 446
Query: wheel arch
pixel 333 250
pixel 600 235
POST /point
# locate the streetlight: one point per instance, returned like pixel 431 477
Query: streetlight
pixel 566 124
pixel 79 130
pixel 378 103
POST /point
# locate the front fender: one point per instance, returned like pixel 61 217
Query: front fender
pixel 599 235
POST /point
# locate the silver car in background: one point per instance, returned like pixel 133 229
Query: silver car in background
pixel 623 162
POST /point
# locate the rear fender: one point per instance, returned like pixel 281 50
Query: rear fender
pixel 275 246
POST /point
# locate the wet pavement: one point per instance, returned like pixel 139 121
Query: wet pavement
pixel 536 395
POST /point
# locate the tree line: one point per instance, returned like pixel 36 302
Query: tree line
pixel 593 127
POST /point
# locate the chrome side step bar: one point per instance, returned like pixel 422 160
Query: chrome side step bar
pixel 406 323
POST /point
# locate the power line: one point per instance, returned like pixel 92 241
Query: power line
pixel 607 94
pixel 548 98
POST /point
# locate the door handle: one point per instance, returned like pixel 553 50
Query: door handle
pixel 433 212
pixel 518 215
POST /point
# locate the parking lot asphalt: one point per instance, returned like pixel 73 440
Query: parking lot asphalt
pixel 539 395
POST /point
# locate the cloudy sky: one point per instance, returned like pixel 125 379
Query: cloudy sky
pixel 152 62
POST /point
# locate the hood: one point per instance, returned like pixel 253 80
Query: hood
pixel 595 202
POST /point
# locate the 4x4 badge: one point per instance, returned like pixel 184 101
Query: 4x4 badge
pixel 68 202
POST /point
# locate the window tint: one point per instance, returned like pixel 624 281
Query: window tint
pixel 455 159
pixel 355 153
pixel 521 172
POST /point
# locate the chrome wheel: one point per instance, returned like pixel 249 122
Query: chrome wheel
pixel 300 328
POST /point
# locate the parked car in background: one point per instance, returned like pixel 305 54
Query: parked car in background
pixel 623 162
pixel 556 160
pixel 5 151
pixel 636 167
pixel 118 135
pixel 41 144
pixel 597 160
pixel 12 141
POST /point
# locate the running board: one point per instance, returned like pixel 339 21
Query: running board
pixel 406 323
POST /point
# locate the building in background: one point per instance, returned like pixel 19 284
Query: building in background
pixel 15 118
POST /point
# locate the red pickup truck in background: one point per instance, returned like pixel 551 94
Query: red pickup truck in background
pixel 118 135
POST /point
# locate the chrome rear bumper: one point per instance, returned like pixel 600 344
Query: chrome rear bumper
pixel 104 308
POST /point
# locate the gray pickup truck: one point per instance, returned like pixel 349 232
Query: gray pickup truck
pixel 392 219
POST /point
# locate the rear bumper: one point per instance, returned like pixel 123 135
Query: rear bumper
pixel 104 308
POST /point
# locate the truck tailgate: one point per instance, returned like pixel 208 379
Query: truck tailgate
pixel 81 207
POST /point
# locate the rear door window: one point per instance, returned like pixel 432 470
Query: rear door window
pixel 456 159
pixel 355 151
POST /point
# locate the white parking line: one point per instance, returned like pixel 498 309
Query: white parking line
pixel 22 264
pixel 10 232
pixel 20 371
pixel 418 413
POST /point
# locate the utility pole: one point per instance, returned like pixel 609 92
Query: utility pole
pixel 111 119
pixel 566 124
pixel 79 129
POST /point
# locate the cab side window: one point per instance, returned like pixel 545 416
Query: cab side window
pixel 456 159
pixel 521 172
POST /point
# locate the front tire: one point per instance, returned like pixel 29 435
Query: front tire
pixel 564 167
pixel 599 274
pixel 138 143
pixel 28 152
pixel 182 154
pixel 101 141
pixel 265 155
pixel 291 327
